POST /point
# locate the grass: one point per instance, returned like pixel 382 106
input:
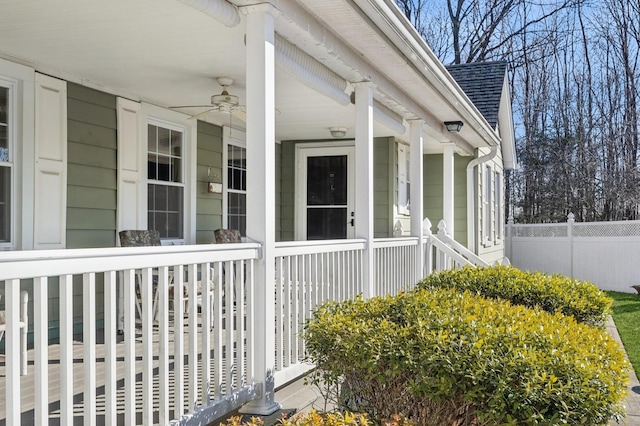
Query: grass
pixel 626 315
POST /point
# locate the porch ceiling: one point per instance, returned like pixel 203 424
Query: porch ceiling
pixel 167 53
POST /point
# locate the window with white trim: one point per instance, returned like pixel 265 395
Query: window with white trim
pixel 499 214
pixel 487 199
pixel 404 180
pixel 165 174
pixel 6 163
pixel 237 187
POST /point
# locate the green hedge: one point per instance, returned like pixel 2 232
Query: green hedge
pixel 445 357
pixel 553 293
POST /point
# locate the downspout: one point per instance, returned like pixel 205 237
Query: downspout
pixel 220 10
pixel 471 197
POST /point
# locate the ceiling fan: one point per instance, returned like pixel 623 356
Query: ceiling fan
pixel 224 102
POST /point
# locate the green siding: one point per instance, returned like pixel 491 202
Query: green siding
pixel 287 190
pixel 383 170
pixel 278 184
pixel 432 184
pixel 91 186
pixel 91 168
pixel 209 168
pixel 433 196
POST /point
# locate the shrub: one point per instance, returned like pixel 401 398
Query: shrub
pixel 553 293
pixel 446 357
pixel 315 418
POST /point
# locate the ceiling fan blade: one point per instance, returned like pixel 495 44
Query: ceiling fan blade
pixel 200 114
pixel 241 114
pixel 190 106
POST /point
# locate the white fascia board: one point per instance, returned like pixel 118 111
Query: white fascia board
pixel 507 129
pixel 405 37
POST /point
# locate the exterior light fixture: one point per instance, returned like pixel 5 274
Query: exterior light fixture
pixel 338 132
pixel 453 126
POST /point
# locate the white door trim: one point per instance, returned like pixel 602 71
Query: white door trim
pixel 305 150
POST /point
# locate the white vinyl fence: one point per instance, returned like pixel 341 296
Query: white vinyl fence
pixel 605 253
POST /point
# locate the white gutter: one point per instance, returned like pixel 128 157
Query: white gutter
pixel 309 71
pixel 471 197
pixel 220 10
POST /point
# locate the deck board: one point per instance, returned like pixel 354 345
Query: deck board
pixel 27 383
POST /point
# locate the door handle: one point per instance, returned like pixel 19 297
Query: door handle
pixel 352 222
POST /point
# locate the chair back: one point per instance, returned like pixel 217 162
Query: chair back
pixel 139 238
pixel 226 236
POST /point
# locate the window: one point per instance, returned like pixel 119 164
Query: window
pixel 237 188
pixel 6 164
pixel 404 180
pixel 165 174
pixel 499 214
pixel 487 214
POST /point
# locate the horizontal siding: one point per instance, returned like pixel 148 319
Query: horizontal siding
pixel 287 190
pixel 209 169
pixel 91 182
pixel 91 168
pixel 382 195
pixel 432 187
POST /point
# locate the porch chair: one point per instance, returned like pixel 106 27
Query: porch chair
pixel 228 236
pixel 23 324
pixel 140 238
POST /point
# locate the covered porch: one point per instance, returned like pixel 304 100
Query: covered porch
pixel 112 126
pixel 190 365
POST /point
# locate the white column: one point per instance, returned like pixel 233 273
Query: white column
pixel 416 197
pixel 261 192
pixel 364 181
pixel 447 186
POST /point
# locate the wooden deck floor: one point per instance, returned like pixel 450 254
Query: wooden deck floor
pixel 28 382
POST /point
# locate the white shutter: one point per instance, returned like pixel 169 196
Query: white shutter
pixel 131 190
pixel 50 203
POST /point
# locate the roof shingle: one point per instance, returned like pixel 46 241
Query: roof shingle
pixel 482 82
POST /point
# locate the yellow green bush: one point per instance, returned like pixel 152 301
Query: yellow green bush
pixel 315 418
pixel 553 293
pixel 442 357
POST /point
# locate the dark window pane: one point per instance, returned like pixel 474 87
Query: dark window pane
pixel 174 198
pixel 176 170
pixel 4 143
pixel 327 180
pixel 4 105
pixel 165 212
pixel 236 179
pixel 152 166
pixel 152 137
pixel 174 225
pixel 5 204
pixel 163 141
pixel 326 223
pixel 176 143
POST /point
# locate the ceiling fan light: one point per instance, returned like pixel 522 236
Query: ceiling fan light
pixel 224 99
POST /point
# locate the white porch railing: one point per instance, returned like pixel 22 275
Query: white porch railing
pixel 396 267
pixel 443 252
pixel 309 273
pixel 184 361
pixel 190 364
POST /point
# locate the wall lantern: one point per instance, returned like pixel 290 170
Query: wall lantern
pixel 453 126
